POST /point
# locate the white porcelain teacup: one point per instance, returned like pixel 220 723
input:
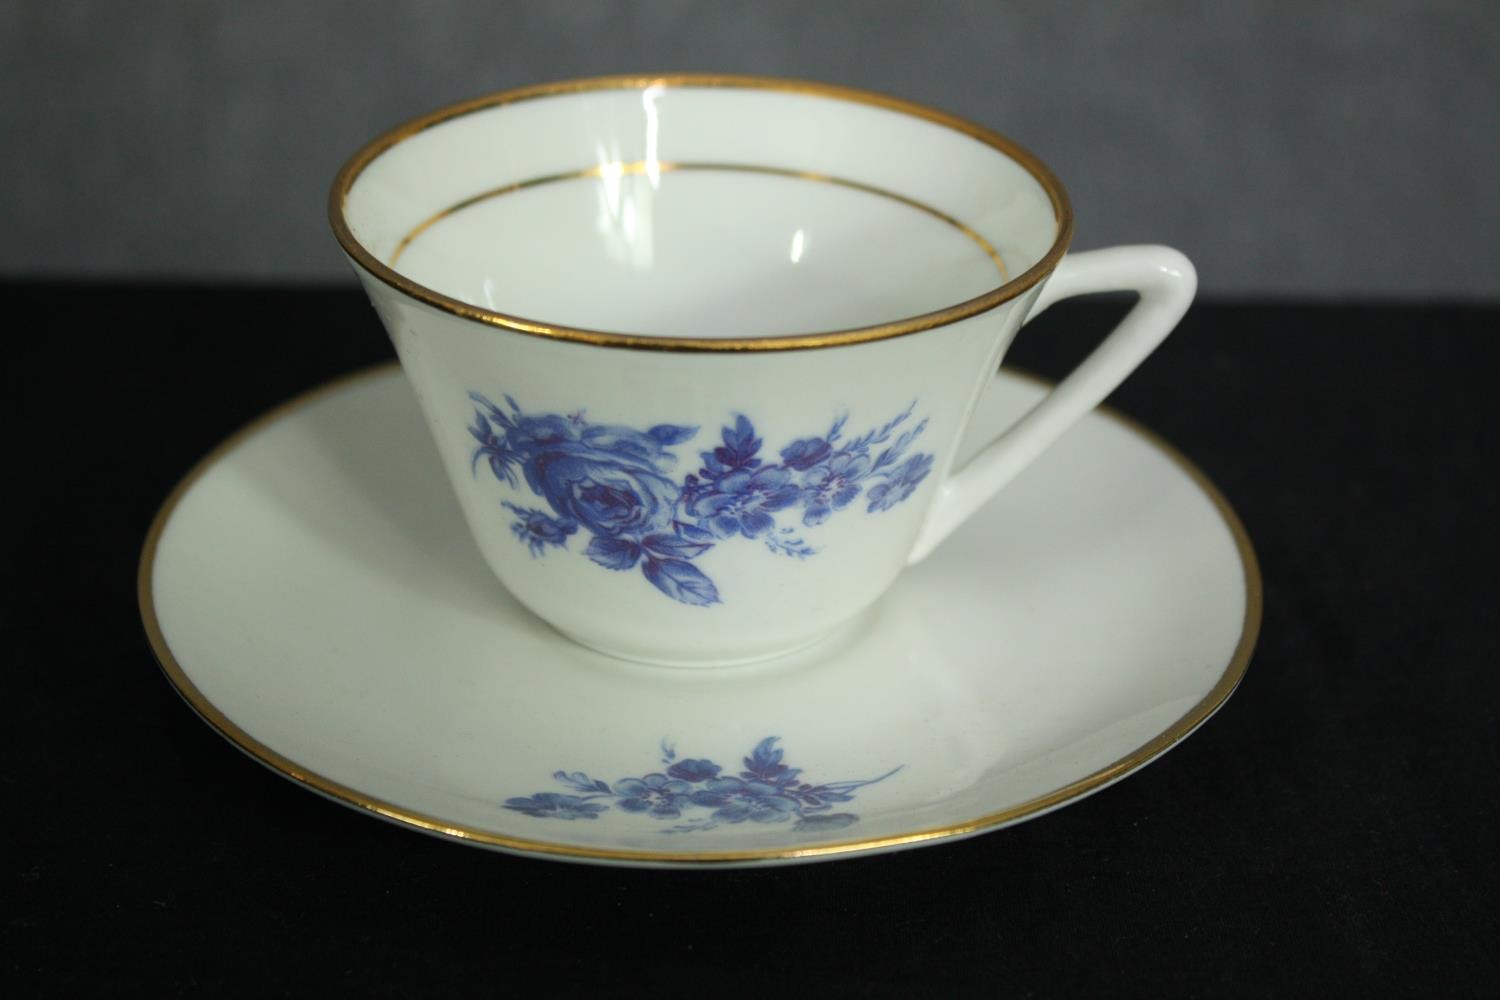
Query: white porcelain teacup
pixel 697 351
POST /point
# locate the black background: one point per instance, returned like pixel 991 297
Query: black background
pixel 1332 830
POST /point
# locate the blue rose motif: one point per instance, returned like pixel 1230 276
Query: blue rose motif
pixel 768 790
pixel 610 491
pixel 833 486
pixel 742 502
pixel 662 797
pixel 900 484
pixel 758 809
pixel 538 530
pixel 805 453
pixel 616 484
pixel 492 449
pixel 735 800
pixel 554 805
pixel 694 770
pixel 533 434
pixel 738 451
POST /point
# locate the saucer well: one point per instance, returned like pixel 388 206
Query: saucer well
pixel 312 591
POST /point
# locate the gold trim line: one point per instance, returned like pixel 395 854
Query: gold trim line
pixel 344 181
pixel 639 168
pixel 1234 671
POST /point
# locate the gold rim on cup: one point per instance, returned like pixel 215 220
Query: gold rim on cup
pixel 1004 292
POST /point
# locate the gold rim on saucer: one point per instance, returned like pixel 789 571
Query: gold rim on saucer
pixel 1006 291
pixel 1234 671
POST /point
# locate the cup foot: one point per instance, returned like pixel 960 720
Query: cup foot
pixel 753 656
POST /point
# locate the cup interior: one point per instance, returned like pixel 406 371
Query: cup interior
pixel 706 211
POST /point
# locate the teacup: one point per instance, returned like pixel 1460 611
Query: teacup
pixel 697 351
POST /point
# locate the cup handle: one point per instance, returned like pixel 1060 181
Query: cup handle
pixel 1166 282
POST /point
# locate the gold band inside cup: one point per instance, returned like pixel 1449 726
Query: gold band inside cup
pixel 1004 292
pixel 644 168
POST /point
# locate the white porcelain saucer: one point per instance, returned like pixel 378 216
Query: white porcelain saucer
pixel 312 591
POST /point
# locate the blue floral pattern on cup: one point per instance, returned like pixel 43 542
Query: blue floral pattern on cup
pixel 616 483
pixel 694 794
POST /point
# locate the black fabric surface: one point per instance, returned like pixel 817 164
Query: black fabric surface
pixel 1331 831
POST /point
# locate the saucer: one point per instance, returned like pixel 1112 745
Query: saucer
pixel 312 591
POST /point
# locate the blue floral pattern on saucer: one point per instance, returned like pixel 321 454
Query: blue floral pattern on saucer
pixel 616 484
pixel 697 794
